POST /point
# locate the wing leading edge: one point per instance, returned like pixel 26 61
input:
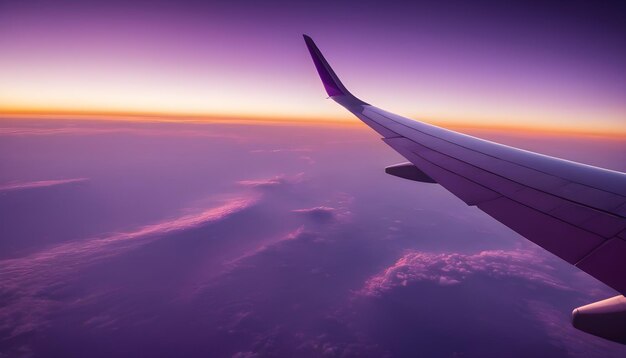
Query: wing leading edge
pixel 575 211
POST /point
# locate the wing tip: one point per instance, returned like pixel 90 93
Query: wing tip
pixel 331 82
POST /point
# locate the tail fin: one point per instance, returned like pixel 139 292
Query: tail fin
pixel 331 82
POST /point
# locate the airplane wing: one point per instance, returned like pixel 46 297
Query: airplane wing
pixel 573 210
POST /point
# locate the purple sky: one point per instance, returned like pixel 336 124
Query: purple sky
pixel 154 236
pixel 556 64
pixel 241 240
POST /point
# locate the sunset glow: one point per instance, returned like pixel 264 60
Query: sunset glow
pixel 174 181
pixel 162 60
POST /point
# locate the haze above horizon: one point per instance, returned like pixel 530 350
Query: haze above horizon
pixel 480 64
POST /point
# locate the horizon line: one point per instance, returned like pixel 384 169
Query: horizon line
pixel 198 118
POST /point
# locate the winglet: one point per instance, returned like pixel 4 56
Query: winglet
pixel 331 82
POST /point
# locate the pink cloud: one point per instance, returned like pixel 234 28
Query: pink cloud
pixel 25 281
pixel 309 160
pixel 275 181
pixel 292 235
pixel 338 212
pixel 453 268
pixel 318 213
pixel 39 184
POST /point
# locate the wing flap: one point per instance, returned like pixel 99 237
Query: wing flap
pixel 590 219
pixel 607 264
pixel 567 241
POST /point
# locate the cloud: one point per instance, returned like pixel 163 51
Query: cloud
pixel 324 214
pixel 319 214
pixel 39 184
pixel 282 150
pixel 204 132
pixel 276 181
pixel 26 283
pixel 575 342
pixel 30 131
pixel 307 159
pixel 448 269
pixel 271 244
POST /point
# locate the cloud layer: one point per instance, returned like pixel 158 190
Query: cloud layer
pixel 207 240
pixel 26 282
pixel 39 184
pixel 453 268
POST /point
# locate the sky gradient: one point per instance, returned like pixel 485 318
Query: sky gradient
pixel 173 181
pixel 533 64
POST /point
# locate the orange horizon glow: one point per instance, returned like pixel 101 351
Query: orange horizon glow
pixel 607 131
pixel 76 62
